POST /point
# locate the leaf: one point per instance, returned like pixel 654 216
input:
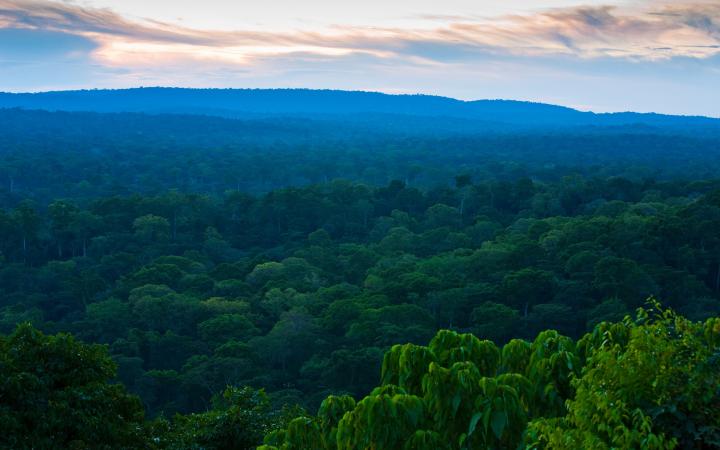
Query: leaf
pixel 463 438
pixel 499 420
pixel 486 418
pixel 456 403
pixel 473 422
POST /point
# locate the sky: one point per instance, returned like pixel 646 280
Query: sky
pixel 601 55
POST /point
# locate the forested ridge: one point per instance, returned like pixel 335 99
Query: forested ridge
pixel 243 103
pixel 313 285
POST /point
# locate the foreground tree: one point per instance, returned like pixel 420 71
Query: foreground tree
pixel 239 419
pixel 651 383
pixel 453 394
pixel 647 383
pixel 55 393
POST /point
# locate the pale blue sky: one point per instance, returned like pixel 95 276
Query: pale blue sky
pixel 611 55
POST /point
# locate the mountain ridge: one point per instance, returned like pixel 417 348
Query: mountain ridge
pixel 323 102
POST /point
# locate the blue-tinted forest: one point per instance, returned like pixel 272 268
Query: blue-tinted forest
pixel 383 274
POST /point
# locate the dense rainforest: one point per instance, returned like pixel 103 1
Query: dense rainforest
pixel 372 281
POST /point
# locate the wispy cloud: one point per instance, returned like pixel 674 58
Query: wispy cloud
pixel 653 32
pixel 644 53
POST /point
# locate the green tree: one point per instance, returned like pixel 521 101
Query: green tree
pixel 238 421
pixel 225 327
pixel 495 321
pixel 151 228
pixel 527 287
pixel 56 393
pixel 649 383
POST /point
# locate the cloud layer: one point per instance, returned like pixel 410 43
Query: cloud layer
pixel 656 31
pixel 568 42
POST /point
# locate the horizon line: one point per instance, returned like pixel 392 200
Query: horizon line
pixel 359 91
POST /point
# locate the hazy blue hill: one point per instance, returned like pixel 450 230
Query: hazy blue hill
pixel 305 102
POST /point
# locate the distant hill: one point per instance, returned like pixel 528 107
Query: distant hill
pixel 314 103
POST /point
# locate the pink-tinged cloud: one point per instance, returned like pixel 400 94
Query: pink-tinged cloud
pixel 655 32
pixel 659 56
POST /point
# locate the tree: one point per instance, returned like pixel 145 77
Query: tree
pixel 56 393
pixel 28 222
pixel 442 216
pixel 290 341
pixel 225 327
pixel 649 383
pixel 61 215
pixel 238 421
pixel 622 278
pixel 151 228
pixel 494 321
pixel 528 287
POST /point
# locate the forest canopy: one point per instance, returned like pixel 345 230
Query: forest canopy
pixel 368 281
pixel 648 382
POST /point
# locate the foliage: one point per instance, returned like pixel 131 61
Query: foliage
pixel 210 254
pixel 449 394
pixel 646 383
pixel 650 383
pixel 238 421
pixel 304 289
pixel 56 393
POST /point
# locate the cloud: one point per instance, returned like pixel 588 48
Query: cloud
pixel 656 32
pixel 67 17
pixel 656 53
pixel 32 45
